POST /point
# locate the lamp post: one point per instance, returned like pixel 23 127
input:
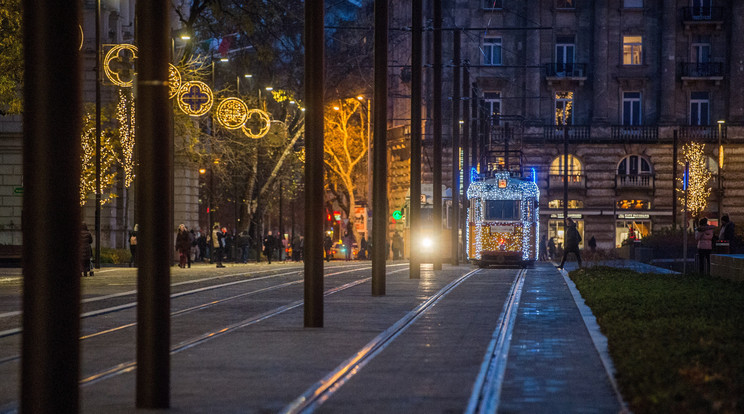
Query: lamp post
pixel 720 169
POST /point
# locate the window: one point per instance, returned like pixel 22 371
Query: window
pixel 574 166
pixel 633 205
pixel 633 4
pixel 492 51
pixel 558 203
pixel 565 4
pixel 634 165
pixel 492 101
pixel 632 50
pixel 699 108
pixel 701 9
pixel 502 210
pixel 493 4
pixel 564 55
pixel 564 108
pixel 631 108
pixel 700 52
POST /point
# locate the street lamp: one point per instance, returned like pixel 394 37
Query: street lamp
pixel 720 168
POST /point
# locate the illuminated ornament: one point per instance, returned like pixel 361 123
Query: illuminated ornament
pixel 232 113
pixel 118 65
pixel 263 118
pixel 195 98
pixel 82 37
pixel 174 80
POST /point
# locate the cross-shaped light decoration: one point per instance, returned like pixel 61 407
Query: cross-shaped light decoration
pixel 118 65
pixel 195 98
pixel 264 124
pixel 174 80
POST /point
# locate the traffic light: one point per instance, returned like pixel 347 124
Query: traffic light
pixel 397 215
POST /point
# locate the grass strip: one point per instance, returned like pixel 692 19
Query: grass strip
pixel 677 342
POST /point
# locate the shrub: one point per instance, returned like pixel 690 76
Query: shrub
pixel 115 256
pixel 667 243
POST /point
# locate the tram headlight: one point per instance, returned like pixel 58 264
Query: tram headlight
pixel 427 243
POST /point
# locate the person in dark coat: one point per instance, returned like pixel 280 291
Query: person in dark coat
pixel 573 238
pixel 551 248
pixel 544 248
pixel 593 244
pixel 363 248
pixel 704 237
pixel 133 246
pixel 728 233
pixel 183 245
pixel 86 252
pixel 244 244
pixel 327 244
pixel 269 243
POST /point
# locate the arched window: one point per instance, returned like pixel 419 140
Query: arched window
pixel 574 166
pixel 634 165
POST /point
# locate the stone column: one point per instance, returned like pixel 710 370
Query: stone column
pixel 736 65
pixel 599 74
pixel 532 60
pixel 668 63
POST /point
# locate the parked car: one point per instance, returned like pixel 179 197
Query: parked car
pixel 338 251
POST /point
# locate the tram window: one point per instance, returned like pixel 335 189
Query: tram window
pixel 502 210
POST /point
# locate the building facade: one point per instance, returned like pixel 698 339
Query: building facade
pixel 615 81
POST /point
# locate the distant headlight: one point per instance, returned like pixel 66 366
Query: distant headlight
pixel 427 242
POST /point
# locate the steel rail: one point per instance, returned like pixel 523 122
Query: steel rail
pixel 201 339
pixel 487 387
pixel 319 392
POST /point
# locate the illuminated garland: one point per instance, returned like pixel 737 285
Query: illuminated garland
pixel 88 170
pixel 195 98
pixel 115 55
pixel 174 81
pixel 232 113
pixel 519 237
pixel 697 189
pixel 263 117
pixel 125 116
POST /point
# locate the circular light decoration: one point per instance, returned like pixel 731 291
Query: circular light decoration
pixel 232 113
pixel 82 37
pixel 119 64
pixel 263 118
pixel 174 80
pixel 195 98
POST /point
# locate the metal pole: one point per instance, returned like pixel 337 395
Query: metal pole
pixel 437 115
pixel 156 172
pixel 455 219
pixel 50 359
pixel 314 127
pixel 281 219
pixel 98 136
pixel 379 179
pixel 475 119
pixel 465 153
pixel 565 178
pixel 416 76
pixel 674 180
pixel 685 184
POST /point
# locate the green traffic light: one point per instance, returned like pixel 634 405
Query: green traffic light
pixel 397 215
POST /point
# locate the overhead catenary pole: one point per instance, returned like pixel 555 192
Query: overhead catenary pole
pixel 565 177
pixel 98 137
pixel 455 218
pixel 379 168
pixel 437 117
pixel 416 77
pixel 314 129
pixel 155 158
pixel 674 181
pixel 50 349
pixel 465 149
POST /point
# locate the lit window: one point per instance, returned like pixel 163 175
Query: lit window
pixel 574 166
pixel 632 50
pixel 558 203
pixel 492 101
pixel 564 108
pixel 492 51
pixel 633 205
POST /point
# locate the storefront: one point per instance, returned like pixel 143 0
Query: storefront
pixel 631 226
pixel 556 229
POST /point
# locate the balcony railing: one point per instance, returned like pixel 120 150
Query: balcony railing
pixel 703 14
pixel 575 181
pixel 705 133
pixel 702 69
pixel 634 181
pixel 575 132
pixel 565 70
pixel 635 133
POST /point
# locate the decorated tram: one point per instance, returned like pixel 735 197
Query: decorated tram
pixel 503 220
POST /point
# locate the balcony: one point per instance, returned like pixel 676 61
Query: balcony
pixel 703 133
pixel 556 133
pixel 559 72
pixel 635 133
pixel 696 71
pixel 697 16
pixel 575 181
pixel 634 182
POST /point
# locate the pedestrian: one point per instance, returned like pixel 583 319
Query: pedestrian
pixel 704 237
pixel 183 246
pixel 227 244
pixel 544 248
pixel 551 248
pixel 217 240
pixel 728 233
pixel 86 252
pixel 194 254
pixel 296 248
pixel 327 244
pixel 573 238
pixel 349 242
pixel 244 244
pixel 133 246
pixel 397 246
pixel 593 244
pixel 363 248
pixel 268 246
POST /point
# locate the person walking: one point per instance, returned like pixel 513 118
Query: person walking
pixel 551 248
pixel 217 245
pixel 268 246
pixel 728 233
pixel 133 246
pixel 244 244
pixel 327 244
pixel 544 248
pixel 86 252
pixel 363 248
pixel 183 246
pixel 349 242
pixel 704 237
pixel 573 238
pixel 593 244
pixel 397 246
